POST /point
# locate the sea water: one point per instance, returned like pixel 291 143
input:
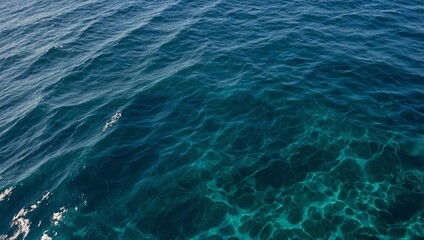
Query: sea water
pixel 215 119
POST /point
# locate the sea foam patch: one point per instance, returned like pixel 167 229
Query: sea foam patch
pixel 6 193
pixel 20 220
pixel 58 216
pixel 45 236
pixel 113 120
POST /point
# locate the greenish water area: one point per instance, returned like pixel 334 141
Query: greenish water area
pixel 211 120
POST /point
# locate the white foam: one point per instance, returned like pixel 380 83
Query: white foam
pixel 113 120
pixel 58 216
pixel 6 193
pixel 45 236
pixel 22 223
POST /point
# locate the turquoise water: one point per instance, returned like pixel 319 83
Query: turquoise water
pixel 211 119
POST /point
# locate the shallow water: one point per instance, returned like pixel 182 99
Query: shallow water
pixel 211 120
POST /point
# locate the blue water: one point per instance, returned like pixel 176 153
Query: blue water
pixel 211 119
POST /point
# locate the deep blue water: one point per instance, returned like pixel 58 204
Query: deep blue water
pixel 211 119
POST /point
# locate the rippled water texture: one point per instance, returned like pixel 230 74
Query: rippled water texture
pixel 211 119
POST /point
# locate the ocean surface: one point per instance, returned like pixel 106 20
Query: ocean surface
pixel 211 119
